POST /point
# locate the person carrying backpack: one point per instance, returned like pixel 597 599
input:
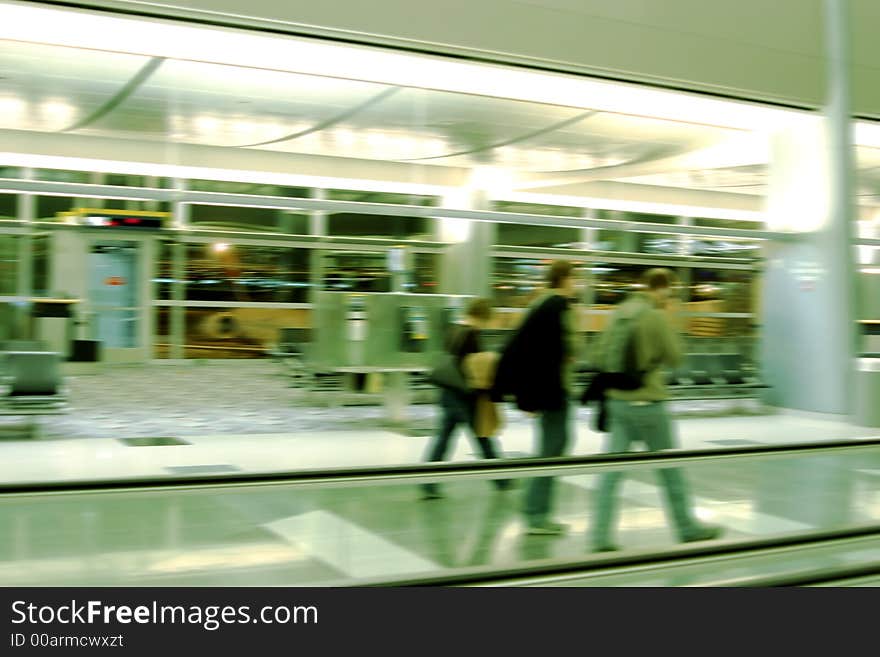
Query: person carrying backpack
pixel 467 405
pixel 633 351
pixel 536 368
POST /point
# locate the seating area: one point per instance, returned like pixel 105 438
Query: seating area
pixel 715 375
pixel 32 384
pixel 714 369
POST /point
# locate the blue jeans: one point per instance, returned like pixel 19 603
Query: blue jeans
pixel 650 424
pixel 553 440
pixel 456 409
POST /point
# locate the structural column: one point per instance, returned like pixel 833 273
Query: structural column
pixel 808 338
pixel 466 263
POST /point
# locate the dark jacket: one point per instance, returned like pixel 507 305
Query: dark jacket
pixel 595 392
pixel 531 365
pixel 462 340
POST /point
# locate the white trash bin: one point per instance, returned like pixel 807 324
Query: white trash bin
pixel 867 406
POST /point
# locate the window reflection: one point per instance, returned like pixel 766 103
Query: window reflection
pixel 356 272
pixel 234 272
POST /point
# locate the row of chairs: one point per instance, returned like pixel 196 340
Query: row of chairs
pixel 713 373
pixel 31 383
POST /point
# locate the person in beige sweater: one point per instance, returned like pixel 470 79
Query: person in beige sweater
pixel 640 414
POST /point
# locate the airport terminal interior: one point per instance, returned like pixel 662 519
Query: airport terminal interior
pixel 231 249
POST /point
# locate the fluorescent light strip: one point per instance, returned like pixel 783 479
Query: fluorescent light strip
pixel 96 31
pixel 866 133
pixel 225 175
pixel 647 207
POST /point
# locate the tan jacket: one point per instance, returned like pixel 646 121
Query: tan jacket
pixel 479 368
pixel 657 347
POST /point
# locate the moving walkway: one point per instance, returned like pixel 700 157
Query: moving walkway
pixel 380 503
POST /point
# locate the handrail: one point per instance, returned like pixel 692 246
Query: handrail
pixel 818 576
pixel 680 555
pixel 434 472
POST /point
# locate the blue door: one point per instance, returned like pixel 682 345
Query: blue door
pixel 113 293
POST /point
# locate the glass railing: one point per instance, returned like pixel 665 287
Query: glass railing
pixel 359 526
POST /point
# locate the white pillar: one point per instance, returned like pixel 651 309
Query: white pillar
pixel 809 336
pixel 466 263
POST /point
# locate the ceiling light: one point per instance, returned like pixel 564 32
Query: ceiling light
pixel 454 230
pixel 57 112
pixel 494 180
pixel 12 109
pixel 866 133
pixel 207 124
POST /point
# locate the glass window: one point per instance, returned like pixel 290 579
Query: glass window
pixel 8 264
pixel 162 332
pixel 127 180
pixel 516 282
pixel 234 218
pixel 349 224
pixel 164 277
pixel 380 197
pixel 10 172
pixel 61 175
pixel 238 332
pixel 532 235
pixel 40 250
pixel 738 224
pixel 51 208
pixel 720 291
pixel 140 206
pixel 254 189
pixel 426 270
pixel 8 206
pixel 293 223
pixel 611 282
pixel 537 208
pixel 630 241
pixel 725 247
pixel 357 271
pixel 235 272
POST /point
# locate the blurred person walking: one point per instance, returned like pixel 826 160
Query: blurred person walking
pixel 536 368
pixel 633 351
pixel 464 392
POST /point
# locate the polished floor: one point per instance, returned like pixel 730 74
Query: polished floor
pixel 220 418
pixel 279 535
pixel 123 423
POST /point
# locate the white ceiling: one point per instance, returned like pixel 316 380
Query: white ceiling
pixel 760 49
pixel 92 93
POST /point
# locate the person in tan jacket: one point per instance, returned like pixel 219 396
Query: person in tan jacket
pixel 640 341
pixel 479 370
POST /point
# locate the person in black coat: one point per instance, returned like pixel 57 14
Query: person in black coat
pixel 535 369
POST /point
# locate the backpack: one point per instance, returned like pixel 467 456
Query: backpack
pixel 621 353
pixel 446 369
